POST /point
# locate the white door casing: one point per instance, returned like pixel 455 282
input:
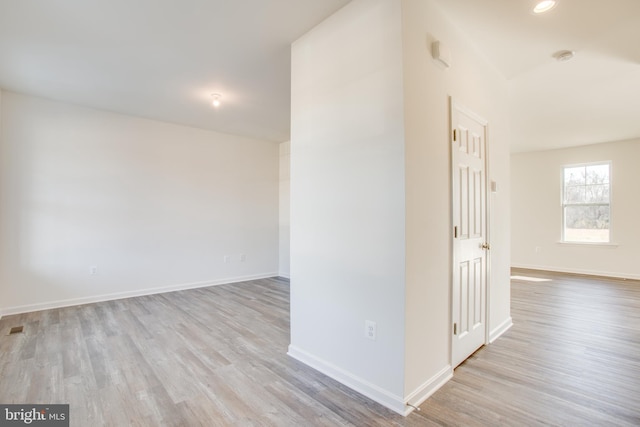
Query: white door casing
pixel 469 208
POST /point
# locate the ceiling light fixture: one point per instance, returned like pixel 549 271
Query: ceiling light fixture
pixel 544 6
pixel 216 99
pixel 564 55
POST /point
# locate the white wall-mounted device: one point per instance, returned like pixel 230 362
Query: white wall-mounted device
pixel 441 53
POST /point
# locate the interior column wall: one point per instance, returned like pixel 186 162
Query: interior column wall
pixel 474 83
pixel 347 199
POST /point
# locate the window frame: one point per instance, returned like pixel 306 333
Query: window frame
pixel 563 204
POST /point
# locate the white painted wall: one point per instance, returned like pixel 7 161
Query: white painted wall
pixel 153 205
pixel 347 198
pixel 537 212
pixel 2 196
pixel 284 195
pixel 476 84
pixel 370 195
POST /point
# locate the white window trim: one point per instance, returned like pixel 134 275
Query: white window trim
pixel 606 244
pixel 562 205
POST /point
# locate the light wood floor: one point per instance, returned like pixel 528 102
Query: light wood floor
pixel 217 356
pixel 572 358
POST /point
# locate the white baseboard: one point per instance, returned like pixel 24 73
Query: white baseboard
pixel 285 275
pixel 501 329
pixel 423 392
pixel 585 272
pixel 383 397
pixel 129 294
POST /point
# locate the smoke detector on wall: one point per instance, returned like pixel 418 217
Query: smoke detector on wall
pixel 441 54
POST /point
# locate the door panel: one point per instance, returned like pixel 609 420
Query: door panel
pixel 469 242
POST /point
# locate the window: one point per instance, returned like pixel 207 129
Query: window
pixel 586 203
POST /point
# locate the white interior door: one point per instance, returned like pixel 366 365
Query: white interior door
pixel 469 234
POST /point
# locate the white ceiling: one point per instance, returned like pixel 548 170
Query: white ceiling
pixel 162 59
pixel 593 98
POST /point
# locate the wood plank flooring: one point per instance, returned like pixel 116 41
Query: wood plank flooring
pixel 217 357
pixel 572 358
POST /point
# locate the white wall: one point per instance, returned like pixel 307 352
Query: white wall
pixel 476 84
pixel 284 195
pixel 537 212
pixel 371 199
pixel 347 198
pixel 151 204
pixel 2 196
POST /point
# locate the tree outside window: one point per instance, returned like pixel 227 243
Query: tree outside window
pixel 587 203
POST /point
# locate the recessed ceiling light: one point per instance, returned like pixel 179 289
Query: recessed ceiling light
pixel 544 6
pixel 216 99
pixel 564 55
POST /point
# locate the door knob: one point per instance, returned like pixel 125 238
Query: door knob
pixel 486 246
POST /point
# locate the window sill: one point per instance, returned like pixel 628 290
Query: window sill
pixel 608 245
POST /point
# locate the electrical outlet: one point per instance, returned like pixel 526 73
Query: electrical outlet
pixel 538 249
pixel 370 329
pixel 226 259
pixel 93 270
pixel 243 257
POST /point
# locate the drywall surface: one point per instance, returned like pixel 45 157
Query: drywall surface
pixel 347 198
pixel 537 211
pixel 371 199
pixel 284 196
pixel 475 84
pixel 97 205
pixel 2 195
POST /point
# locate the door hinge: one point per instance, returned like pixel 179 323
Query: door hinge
pixel 455 232
pixel 455 329
pixel 455 135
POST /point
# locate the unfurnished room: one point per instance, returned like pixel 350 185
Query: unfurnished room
pixel 319 213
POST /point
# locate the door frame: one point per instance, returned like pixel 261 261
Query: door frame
pixel 453 104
